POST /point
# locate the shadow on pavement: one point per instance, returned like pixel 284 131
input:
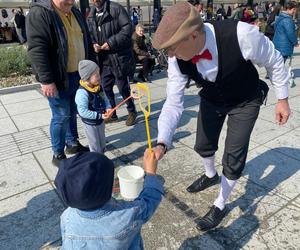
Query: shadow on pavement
pixel 264 174
pixel 120 141
pixel 34 226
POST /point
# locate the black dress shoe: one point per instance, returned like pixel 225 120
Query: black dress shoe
pixel 74 149
pixel 56 160
pixel 211 219
pixel 202 183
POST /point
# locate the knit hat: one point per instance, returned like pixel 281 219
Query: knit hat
pixel 86 68
pixel 85 180
pixel 178 22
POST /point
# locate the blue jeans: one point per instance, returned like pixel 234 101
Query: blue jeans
pixel 63 126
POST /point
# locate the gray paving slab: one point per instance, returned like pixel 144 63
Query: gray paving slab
pixel 265 131
pixel 294 103
pixel 268 114
pixel 287 144
pixel 27 106
pixel 20 97
pixel 19 174
pixel 281 231
pixel 3 112
pixel 32 120
pixel 43 158
pixel 274 171
pixel 171 229
pixel 31 219
pixel 8 147
pixel 7 126
pixel 31 140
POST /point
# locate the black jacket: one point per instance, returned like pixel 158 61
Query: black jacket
pixel 47 43
pixel 20 20
pixel 116 30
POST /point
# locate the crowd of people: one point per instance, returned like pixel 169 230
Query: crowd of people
pixel 78 60
pixel 12 25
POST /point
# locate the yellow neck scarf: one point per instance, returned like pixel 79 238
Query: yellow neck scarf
pixel 93 89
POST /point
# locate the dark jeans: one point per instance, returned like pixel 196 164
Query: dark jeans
pixel 241 120
pixel 63 126
pixel 108 80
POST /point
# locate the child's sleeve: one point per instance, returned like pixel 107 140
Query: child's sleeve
pixel 82 102
pixel 149 198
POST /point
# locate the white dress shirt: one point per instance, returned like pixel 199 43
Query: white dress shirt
pixel 254 47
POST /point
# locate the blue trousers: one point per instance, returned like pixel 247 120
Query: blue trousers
pixel 63 126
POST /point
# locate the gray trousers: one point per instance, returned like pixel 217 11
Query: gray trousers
pixel 241 120
pixel 96 137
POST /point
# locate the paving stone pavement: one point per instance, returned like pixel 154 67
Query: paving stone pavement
pixel 264 207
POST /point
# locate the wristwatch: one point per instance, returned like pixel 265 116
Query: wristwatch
pixel 162 145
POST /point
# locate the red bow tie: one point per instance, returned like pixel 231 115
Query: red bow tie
pixel 205 55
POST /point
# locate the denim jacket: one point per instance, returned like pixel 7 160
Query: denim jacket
pixel 116 225
pixel 285 37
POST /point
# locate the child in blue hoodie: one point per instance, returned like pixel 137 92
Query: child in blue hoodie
pixel 92 105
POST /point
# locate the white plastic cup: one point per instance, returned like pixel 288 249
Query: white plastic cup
pixel 131 180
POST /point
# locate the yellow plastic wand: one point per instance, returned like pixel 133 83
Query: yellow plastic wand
pixel 144 88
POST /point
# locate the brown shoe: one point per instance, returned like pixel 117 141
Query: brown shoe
pixel 131 119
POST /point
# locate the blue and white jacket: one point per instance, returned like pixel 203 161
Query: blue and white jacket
pixel 91 106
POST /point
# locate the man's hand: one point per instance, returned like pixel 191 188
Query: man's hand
pixel 159 152
pixel 49 90
pixel 105 46
pixel 150 163
pixel 282 111
pixel 97 47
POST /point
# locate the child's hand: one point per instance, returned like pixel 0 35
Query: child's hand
pixel 150 163
pixel 107 114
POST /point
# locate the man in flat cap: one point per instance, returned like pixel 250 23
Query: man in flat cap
pixel 220 56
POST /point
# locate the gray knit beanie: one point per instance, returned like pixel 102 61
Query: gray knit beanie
pixel 86 68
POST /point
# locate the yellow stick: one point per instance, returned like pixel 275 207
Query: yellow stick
pixel 148 134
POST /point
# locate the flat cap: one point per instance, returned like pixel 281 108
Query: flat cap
pixel 179 21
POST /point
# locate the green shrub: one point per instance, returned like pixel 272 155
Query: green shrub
pixel 14 60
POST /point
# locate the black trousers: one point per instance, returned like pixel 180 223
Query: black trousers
pixel 108 80
pixel 240 123
pixel 148 64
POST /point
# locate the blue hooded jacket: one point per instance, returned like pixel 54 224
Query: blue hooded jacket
pixel 285 37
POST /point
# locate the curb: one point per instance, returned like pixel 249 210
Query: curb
pixel 16 89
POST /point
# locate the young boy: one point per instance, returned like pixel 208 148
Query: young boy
pixel 92 105
pixel 94 220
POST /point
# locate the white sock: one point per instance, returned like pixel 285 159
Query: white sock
pixel 225 190
pixel 209 165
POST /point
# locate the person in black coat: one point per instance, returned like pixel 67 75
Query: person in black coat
pixel 110 28
pixel 55 64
